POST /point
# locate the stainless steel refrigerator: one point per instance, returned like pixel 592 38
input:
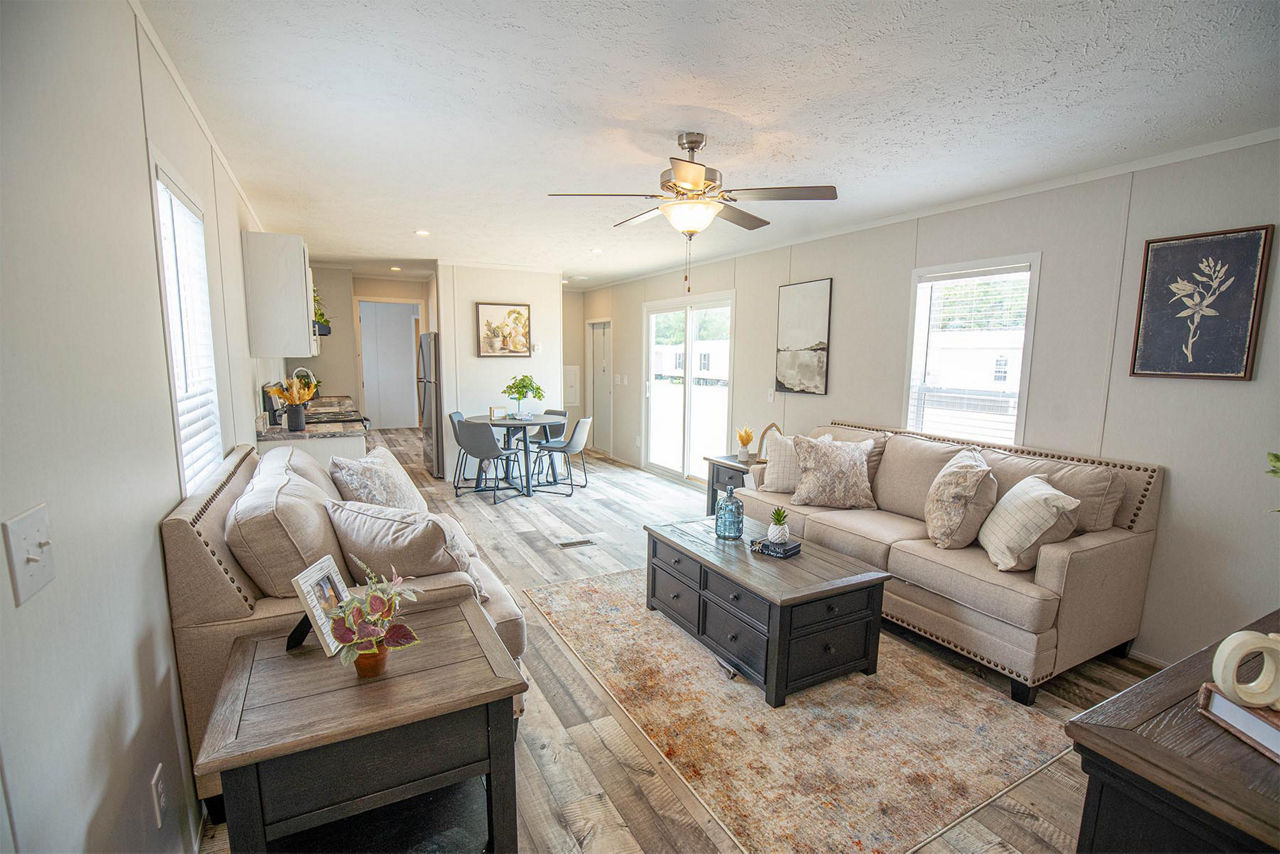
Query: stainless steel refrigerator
pixel 429 414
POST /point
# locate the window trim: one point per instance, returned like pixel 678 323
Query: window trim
pixel 928 275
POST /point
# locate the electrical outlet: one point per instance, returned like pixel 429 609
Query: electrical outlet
pixel 637 441
pixel 771 393
pixel 159 795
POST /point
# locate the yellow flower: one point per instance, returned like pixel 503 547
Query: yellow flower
pixel 745 435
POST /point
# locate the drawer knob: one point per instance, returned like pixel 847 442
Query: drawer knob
pixel 828 649
pixel 675 595
pixel 831 609
pixel 733 638
pixel 675 561
pixel 734 597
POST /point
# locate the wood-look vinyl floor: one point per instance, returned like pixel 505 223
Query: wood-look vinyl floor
pixel 588 780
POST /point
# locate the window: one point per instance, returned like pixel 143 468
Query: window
pixel 679 361
pixel 966 320
pixel 704 361
pixel 190 335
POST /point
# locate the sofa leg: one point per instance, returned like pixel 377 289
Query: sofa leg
pixel 1022 693
pixel 1121 651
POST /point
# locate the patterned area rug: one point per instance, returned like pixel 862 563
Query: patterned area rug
pixel 860 763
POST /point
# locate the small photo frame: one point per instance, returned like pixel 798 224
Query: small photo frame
pixel 496 412
pixel 321 589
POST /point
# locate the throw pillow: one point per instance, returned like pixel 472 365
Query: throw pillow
pixel 293 460
pixel 782 466
pixel 959 500
pixel 1030 515
pixel 413 542
pixel 377 478
pixel 833 474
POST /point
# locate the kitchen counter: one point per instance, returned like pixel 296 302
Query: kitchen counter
pixel 321 440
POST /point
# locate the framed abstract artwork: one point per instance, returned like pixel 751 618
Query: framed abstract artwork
pixel 804 327
pixel 502 329
pixel 1201 304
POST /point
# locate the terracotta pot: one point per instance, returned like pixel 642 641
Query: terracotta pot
pixel 369 664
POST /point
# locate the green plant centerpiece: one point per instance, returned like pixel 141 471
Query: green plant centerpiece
pixel 778 530
pixel 521 387
pixel 365 626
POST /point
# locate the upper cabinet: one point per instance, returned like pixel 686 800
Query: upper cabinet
pixel 278 295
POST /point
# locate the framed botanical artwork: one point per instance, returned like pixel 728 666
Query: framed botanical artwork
pixel 502 329
pixel 321 589
pixel 804 326
pixel 1201 304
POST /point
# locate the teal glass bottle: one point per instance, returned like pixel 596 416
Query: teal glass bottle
pixel 729 516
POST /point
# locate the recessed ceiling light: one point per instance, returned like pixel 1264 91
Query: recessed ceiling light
pixel 581 278
pixel 597 251
pixel 395 269
pixel 422 232
pixel 564 281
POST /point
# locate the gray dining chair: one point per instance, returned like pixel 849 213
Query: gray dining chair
pixel 455 418
pixel 575 444
pixel 476 439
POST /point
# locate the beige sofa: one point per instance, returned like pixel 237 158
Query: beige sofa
pixel 212 601
pixel 1083 597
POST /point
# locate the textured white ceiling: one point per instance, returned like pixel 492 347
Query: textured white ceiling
pixel 356 123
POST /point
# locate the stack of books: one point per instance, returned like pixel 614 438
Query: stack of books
pixel 791 548
pixel 1259 728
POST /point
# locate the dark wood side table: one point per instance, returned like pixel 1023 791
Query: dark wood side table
pixel 300 740
pixel 782 624
pixel 1163 777
pixel 723 472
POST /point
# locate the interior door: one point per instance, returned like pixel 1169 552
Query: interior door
pixel 602 387
pixel 388 345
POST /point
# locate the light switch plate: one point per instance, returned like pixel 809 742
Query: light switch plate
pixel 30 552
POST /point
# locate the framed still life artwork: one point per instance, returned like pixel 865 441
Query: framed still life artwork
pixel 502 329
pixel 804 326
pixel 321 589
pixel 1201 304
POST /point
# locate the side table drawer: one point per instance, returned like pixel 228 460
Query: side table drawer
pixel 831 608
pixel 738 598
pixel 828 649
pixel 675 560
pixel 674 596
pixel 724 477
pixel 735 637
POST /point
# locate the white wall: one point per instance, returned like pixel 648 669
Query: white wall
pixel 336 366
pixel 1217 563
pixel 575 333
pixel 472 384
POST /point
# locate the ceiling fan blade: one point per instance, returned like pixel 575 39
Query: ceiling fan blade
pixel 610 195
pixel 824 193
pixel 649 214
pixel 741 218
pixel 688 175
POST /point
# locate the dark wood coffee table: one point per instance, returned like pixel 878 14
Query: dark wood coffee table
pixel 1163 777
pixel 783 624
pixel 300 740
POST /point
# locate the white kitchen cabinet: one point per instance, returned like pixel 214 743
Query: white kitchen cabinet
pixel 278 296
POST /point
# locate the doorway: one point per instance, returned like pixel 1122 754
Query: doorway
pixel 600 386
pixel 387 339
pixel 688 353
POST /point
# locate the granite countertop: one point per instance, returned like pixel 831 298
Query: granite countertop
pixel 280 433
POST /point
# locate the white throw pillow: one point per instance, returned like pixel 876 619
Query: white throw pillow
pixel 782 466
pixel 376 478
pixel 1030 515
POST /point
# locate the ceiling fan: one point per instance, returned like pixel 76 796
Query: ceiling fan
pixel 692 197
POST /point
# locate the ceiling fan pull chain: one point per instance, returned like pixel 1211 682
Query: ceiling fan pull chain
pixel 688 251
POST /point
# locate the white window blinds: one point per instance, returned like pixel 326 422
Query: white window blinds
pixel 967 353
pixel 190 337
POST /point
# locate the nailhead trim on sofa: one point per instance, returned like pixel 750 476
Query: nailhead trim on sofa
pixel 994 665
pixel 204 508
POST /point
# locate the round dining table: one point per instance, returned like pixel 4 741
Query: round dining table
pixel 511 426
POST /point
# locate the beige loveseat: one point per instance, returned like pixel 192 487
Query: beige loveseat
pixel 1083 597
pixel 213 601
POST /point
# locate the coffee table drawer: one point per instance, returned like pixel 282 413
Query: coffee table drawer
pixel 747 646
pixel 828 649
pixel 726 477
pixel 674 596
pixel 738 598
pixel 675 560
pixel 832 608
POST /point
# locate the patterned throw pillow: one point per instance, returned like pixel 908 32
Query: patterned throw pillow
pixel 782 466
pixel 959 500
pixel 377 478
pixel 1030 515
pixel 833 474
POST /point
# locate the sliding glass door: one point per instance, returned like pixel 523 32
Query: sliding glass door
pixel 687 389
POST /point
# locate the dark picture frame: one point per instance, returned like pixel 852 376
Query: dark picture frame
pixel 801 361
pixel 1200 304
pixel 513 324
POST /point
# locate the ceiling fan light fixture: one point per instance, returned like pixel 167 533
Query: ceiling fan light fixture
pixel 690 216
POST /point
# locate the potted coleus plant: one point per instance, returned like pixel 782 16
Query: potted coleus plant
pixel 521 387
pixel 295 394
pixel 778 530
pixel 365 627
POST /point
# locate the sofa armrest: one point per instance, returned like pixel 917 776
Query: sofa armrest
pixel 1101 578
pixel 436 591
pixel 756 473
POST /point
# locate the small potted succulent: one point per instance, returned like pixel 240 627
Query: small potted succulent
pixel 521 387
pixel 778 530
pixel 295 395
pixel 364 626
pixel 744 441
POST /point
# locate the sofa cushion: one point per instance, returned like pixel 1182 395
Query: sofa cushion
pixel 501 609
pixel 857 434
pixel 864 534
pixel 1098 488
pixel 278 527
pixel 833 474
pixel 376 478
pixel 959 500
pixel 289 458
pixel 782 464
pixel 412 542
pixel 1030 515
pixel 968 577
pixel 758 504
pixel 907 470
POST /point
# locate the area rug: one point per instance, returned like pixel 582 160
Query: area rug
pixel 860 763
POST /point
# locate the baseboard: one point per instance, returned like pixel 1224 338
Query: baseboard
pixel 1148 659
